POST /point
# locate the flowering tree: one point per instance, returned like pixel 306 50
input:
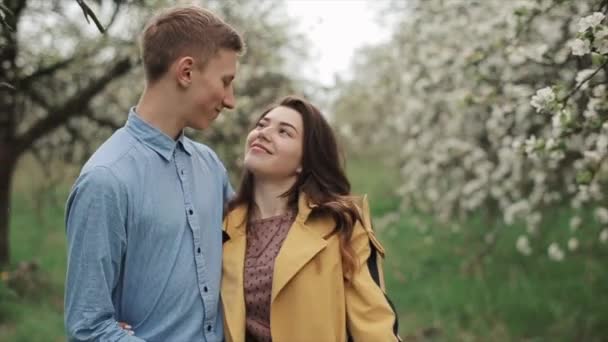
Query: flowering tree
pixel 497 107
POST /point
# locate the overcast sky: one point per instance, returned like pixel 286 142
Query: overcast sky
pixel 336 28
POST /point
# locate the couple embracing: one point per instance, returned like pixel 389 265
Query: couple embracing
pixel 160 247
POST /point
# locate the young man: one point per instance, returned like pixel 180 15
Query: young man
pixel 144 217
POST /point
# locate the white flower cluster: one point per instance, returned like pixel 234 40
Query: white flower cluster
pixel 488 118
pixel 582 45
pixel 543 99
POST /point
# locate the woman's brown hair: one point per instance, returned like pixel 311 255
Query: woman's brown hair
pixel 322 178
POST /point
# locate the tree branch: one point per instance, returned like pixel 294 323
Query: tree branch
pixel 6 85
pixel 47 70
pixel 16 9
pixel 88 12
pixel 73 107
pixel 38 98
pixel 564 100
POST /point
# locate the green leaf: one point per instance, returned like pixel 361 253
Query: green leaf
pixel 584 177
pixel 521 11
pixel 597 59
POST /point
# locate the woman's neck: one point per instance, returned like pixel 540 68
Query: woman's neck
pixel 268 199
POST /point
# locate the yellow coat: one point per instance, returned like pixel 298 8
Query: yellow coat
pixel 310 301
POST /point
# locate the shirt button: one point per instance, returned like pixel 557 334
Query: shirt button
pixel 190 212
pixel 208 328
pixel 198 250
pixel 182 172
pixel 205 289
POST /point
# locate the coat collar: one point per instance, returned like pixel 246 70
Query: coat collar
pixel 235 222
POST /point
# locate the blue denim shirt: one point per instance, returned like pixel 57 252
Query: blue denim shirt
pixel 143 224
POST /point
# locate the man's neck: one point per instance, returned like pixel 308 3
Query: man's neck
pixel 268 199
pixel 157 108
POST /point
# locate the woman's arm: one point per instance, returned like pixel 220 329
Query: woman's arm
pixel 370 314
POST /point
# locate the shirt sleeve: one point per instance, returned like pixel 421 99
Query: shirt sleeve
pixel 96 236
pixel 370 314
pixel 227 187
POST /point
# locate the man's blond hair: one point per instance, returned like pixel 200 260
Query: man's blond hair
pixel 185 31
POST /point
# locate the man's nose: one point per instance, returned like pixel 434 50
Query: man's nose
pixel 229 100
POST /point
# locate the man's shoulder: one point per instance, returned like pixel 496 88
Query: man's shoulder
pixel 113 161
pixel 112 151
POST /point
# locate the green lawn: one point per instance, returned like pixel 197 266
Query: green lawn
pixel 509 297
pixel 36 235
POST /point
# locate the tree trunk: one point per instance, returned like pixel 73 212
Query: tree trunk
pixel 8 162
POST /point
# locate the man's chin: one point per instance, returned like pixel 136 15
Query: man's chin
pixel 200 125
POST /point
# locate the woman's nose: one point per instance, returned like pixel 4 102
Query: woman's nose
pixel 263 134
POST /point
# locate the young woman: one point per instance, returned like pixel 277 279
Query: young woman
pixel 300 261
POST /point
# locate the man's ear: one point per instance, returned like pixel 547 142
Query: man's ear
pixel 183 71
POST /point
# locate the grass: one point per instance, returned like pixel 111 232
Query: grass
pixel 509 297
pixel 37 235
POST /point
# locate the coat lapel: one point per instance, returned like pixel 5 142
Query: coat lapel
pixel 300 246
pixel 233 297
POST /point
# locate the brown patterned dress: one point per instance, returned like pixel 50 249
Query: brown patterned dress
pixel 264 240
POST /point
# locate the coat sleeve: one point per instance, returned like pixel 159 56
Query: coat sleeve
pixel 370 314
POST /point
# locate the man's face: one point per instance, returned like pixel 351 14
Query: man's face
pixel 211 89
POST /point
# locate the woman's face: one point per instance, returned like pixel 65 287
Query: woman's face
pixel 274 146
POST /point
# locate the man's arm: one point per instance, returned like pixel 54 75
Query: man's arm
pixel 96 234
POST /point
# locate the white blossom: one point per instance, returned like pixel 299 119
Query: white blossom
pixel 555 252
pixel 602 144
pixel 580 47
pixel 543 99
pixel 583 193
pixel 573 244
pixel 604 235
pixel 590 21
pixel 601 40
pixel 515 210
pixel 575 223
pixel 592 156
pixel 523 245
pixel 550 144
pixel 601 214
pixel 530 145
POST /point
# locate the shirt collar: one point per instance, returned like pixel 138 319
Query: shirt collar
pixel 155 138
